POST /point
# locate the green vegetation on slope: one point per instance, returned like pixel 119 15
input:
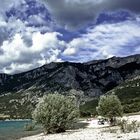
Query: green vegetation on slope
pixel 89 108
pixel 22 104
pixel 15 105
pixel 128 93
pixel 19 105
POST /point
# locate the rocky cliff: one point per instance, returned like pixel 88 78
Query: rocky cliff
pixel 94 78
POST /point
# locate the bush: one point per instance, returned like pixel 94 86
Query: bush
pixel 89 108
pixel 29 127
pixel 56 113
pixel 110 106
pixel 127 127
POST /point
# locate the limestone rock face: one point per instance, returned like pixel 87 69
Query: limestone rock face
pixel 94 77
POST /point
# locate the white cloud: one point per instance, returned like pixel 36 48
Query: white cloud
pixel 24 47
pixel 73 46
pixel 2 22
pixel 16 17
pixel 105 41
pixel 70 51
pixel 41 41
pixel 5 4
pixel 102 41
pixel 16 54
pixel 15 67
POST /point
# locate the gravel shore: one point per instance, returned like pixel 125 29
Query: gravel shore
pixel 92 132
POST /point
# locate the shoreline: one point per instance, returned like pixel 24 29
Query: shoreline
pixel 92 132
pixel 6 120
pixel 16 129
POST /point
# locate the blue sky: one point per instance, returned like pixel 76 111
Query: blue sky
pixel 36 32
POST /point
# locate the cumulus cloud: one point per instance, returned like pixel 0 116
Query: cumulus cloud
pixel 5 4
pixel 74 13
pixel 17 56
pixel 23 17
pixel 29 48
pixel 29 38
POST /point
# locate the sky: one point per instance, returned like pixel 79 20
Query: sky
pixel 37 32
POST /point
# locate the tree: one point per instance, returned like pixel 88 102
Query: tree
pixel 78 95
pixel 56 113
pixel 110 106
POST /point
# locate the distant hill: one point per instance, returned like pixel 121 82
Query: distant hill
pixel 19 92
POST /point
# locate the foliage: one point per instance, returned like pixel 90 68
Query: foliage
pixel 127 127
pixel 129 94
pixel 78 95
pixel 56 113
pixel 19 105
pixel 15 106
pixel 29 127
pixel 89 108
pixel 109 106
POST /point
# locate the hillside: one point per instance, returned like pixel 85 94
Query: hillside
pixel 19 92
pixel 129 94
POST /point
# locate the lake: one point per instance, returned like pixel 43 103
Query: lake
pixel 12 130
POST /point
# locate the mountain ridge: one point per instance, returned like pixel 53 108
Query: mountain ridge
pixel 96 76
pixel 19 93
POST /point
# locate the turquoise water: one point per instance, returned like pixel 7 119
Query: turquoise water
pixel 12 130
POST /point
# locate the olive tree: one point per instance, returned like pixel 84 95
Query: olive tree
pixel 56 113
pixel 78 95
pixel 110 106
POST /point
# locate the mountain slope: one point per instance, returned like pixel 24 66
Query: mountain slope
pixel 94 78
pixel 19 91
pixel 129 94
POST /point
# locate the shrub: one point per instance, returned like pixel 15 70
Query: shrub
pixel 29 127
pixel 110 106
pixel 89 108
pixel 78 95
pixel 135 126
pixel 127 127
pixel 56 113
pixel 123 125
